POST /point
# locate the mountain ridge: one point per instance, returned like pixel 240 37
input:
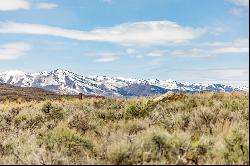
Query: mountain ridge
pixel 67 82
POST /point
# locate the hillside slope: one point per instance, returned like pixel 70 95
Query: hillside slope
pixel 14 92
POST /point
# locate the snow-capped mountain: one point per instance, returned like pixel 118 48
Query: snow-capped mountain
pixel 66 82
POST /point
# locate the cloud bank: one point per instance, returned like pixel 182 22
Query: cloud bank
pixel 10 5
pixel 46 5
pixel 106 57
pixel 207 49
pixel 13 50
pixel 138 33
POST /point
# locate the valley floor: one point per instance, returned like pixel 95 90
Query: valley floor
pixel 209 128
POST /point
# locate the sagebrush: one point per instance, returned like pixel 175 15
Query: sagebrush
pixel 210 128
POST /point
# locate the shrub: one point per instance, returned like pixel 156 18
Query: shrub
pixel 110 115
pixel 6 149
pixel 21 118
pixel 209 128
pixel 47 107
pixel 134 127
pixel 64 137
pixel 53 112
pixel 236 149
pixel 200 150
pixel 26 120
pixel 158 146
pixel 139 109
pixel 234 104
pixel 202 120
pixel 80 123
pixel 184 121
pixel 122 154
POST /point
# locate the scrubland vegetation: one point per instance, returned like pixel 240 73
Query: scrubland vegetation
pixel 210 128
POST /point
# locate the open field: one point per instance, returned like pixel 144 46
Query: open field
pixel 209 128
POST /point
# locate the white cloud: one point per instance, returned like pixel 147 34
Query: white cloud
pixel 237 12
pixel 12 5
pixel 195 52
pixel 140 53
pixel 227 75
pixel 235 83
pixel 242 42
pixel 207 49
pixel 214 44
pixel 232 73
pixel 9 5
pixel 220 27
pixel 240 2
pixel 131 51
pixel 230 76
pixel 46 5
pixel 237 46
pixel 106 57
pixel 139 56
pixel 231 50
pixel 102 56
pixel 14 50
pixel 155 62
pixel 157 53
pixel 216 48
pixel 139 33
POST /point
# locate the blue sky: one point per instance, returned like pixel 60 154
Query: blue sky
pixel 185 40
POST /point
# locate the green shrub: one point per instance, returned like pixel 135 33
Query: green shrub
pixel 234 104
pixel 139 109
pixel 200 150
pixel 21 118
pixel 27 120
pixel 64 137
pixel 236 149
pixel 47 107
pixel 53 112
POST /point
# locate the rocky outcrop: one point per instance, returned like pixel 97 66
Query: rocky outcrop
pixel 169 96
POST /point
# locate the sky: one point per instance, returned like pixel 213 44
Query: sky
pixel 183 40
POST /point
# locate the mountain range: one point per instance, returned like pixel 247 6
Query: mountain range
pixel 66 82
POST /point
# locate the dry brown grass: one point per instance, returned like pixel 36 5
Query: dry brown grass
pixel 209 128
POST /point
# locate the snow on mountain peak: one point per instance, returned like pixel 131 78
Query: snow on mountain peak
pixel 60 71
pixel 13 73
pixel 66 82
